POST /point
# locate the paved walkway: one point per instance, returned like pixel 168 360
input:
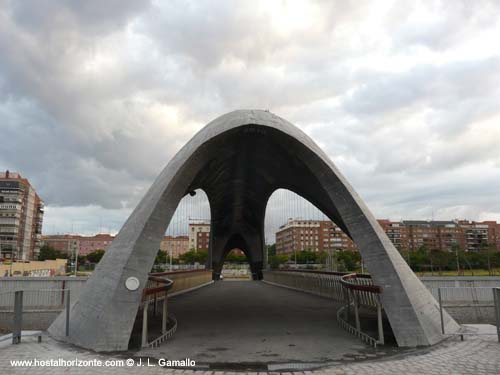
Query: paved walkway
pixel 254 322
pixel 475 355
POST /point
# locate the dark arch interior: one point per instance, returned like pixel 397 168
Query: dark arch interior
pixel 239 170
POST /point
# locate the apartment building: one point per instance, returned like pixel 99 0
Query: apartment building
pixel 199 236
pixel 298 235
pixel 313 235
pixel 72 244
pixel 175 245
pixel 21 218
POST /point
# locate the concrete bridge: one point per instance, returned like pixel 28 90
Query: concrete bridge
pixel 253 323
pixel 239 160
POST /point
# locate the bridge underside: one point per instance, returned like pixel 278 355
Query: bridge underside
pixel 239 159
pixel 245 167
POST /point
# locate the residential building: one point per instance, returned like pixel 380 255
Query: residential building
pixel 313 235
pixel 175 245
pixel 89 244
pixel 199 236
pixel 397 233
pixel 434 235
pixel 479 234
pixel 406 235
pixel 83 245
pixel 21 218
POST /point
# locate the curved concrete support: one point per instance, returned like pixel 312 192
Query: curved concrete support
pixel 239 159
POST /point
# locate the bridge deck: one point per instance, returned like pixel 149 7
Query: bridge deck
pixel 250 321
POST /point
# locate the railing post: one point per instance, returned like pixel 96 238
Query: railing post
pixel 18 317
pixel 347 302
pixel 356 312
pixel 164 315
pixel 145 325
pixel 67 311
pixel 441 310
pixel 496 298
pixel 379 321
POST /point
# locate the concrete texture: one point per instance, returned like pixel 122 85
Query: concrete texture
pixel 477 355
pixel 239 160
pixel 253 322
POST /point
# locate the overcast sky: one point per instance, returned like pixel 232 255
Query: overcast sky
pixel 97 96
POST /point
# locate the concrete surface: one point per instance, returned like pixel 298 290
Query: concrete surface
pixel 239 160
pixel 477 355
pixel 253 322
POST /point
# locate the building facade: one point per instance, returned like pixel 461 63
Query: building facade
pixel 72 244
pixel 21 218
pixel 406 235
pixel 312 235
pixel 199 236
pixel 175 245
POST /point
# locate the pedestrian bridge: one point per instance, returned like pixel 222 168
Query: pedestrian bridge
pixel 289 317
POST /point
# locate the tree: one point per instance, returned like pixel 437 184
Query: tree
pixel 95 256
pixel 47 252
pixel 194 256
pixel 232 257
pixel 271 249
pixel 349 259
pixel 306 257
pixel 161 257
pixel 276 260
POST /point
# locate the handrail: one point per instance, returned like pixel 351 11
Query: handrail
pixel 167 285
pixel 361 287
pixel 335 273
pixel 175 272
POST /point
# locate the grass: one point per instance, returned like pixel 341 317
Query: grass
pixel 478 272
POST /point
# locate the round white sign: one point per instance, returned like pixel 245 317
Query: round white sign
pixel 132 283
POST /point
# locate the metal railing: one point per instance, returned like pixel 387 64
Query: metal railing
pixel 156 290
pixel 360 291
pixel 19 302
pixel 472 299
pixel 355 290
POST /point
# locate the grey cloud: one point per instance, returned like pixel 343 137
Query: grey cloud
pixel 98 138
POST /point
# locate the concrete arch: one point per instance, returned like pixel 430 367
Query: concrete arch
pixel 239 160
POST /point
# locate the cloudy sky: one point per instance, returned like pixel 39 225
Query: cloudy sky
pixel 97 96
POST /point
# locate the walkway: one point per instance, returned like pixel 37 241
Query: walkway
pixel 254 322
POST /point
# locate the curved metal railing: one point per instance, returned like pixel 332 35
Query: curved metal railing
pixel 360 291
pixel 354 289
pixel 156 290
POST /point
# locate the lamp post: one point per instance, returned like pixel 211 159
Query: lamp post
pixel 76 260
pixel 171 251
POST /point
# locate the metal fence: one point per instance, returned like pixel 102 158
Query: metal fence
pixel 35 300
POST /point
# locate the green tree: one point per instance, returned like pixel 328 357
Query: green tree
pixel 276 260
pixel 306 257
pixel 232 257
pixel 349 259
pixel 271 249
pixel 47 252
pixel 95 256
pixel 193 256
pixel 161 257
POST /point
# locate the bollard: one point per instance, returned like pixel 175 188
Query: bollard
pixel 67 312
pixel 18 317
pixel 441 310
pixel 380 321
pixel 164 316
pixel 145 325
pixel 356 312
pixel 496 298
